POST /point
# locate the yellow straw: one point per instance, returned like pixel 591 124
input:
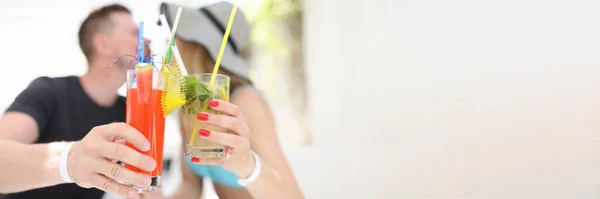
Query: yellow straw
pixel 217 63
pixel 223 44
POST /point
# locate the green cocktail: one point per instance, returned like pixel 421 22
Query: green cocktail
pixel 198 95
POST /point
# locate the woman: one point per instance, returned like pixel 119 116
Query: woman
pixel 199 38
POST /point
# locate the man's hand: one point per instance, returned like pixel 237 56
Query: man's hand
pixel 90 160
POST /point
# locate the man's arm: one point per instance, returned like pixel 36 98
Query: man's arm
pixel 18 127
pixel 25 165
pixel 30 166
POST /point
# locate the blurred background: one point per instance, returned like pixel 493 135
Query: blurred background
pixel 390 98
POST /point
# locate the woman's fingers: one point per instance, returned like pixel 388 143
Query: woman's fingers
pixel 211 161
pixel 225 107
pixel 232 140
pixel 224 121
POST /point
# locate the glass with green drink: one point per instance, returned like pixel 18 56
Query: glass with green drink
pixel 198 94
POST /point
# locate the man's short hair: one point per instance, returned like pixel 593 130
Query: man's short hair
pixel 96 22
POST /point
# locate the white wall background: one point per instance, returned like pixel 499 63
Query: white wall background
pixel 409 98
pixel 452 99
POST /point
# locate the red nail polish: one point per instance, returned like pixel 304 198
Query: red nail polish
pixel 181 129
pixel 204 133
pixel 195 159
pixel 213 103
pixel 203 116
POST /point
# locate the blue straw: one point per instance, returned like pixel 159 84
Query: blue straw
pixel 141 43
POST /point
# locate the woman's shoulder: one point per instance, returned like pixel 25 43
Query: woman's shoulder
pixel 243 91
pixel 248 96
pixel 251 103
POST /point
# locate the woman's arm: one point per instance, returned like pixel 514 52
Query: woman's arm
pixel 276 179
pixel 191 185
pixel 187 190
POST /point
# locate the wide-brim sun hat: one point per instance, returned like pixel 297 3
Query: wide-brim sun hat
pixel 206 26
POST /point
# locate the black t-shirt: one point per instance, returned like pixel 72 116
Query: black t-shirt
pixel 63 111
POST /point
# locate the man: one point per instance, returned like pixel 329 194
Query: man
pixel 52 112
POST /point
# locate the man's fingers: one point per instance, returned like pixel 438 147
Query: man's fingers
pixel 120 173
pixel 126 132
pixel 108 185
pixel 120 141
pixel 127 155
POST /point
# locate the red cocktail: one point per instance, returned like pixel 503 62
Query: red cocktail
pixel 144 113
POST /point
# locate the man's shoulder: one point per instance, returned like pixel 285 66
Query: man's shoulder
pixel 65 79
pixel 51 83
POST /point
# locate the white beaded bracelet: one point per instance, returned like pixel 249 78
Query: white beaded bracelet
pixel 62 166
pixel 255 173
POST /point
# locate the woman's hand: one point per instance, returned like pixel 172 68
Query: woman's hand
pixel 239 159
pixel 151 195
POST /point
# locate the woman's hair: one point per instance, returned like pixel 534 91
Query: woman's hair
pixel 196 60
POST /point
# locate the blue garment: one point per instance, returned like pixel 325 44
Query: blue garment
pixel 216 173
